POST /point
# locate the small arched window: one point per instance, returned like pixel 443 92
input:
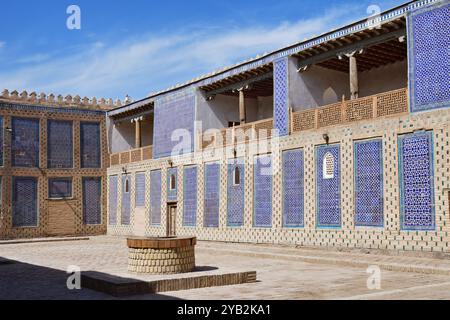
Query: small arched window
pixel 127 185
pixel 173 182
pixel 236 176
pixel 328 166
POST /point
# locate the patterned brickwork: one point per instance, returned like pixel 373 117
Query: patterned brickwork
pixel 416 181
pixel 92 206
pixel 113 194
pixel 293 188
pixel 263 179
pixel 59 188
pixel 281 99
pixel 1 141
pixel 126 200
pixel 428 33
pixel 369 197
pixel 165 108
pixel 155 197
pixel 190 197
pixel 235 193
pixel 25 202
pixel 212 195
pixel 90 145
pixel 60 144
pixel 25 143
pixel 328 186
pixel 140 189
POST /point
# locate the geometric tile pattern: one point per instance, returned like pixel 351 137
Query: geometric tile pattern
pixel 263 174
pixel 429 56
pixel 25 143
pixel 1 141
pixel 140 189
pixel 59 188
pixel 126 200
pixel 212 195
pixel 92 201
pixel 25 202
pixel 190 197
pixel 235 193
pixel 281 96
pixel 172 193
pixel 369 199
pixel 293 188
pixel 90 145
pixel 155 197
pixel 113 193
pixel 416 181
pixel 328 188
pixel 59 144
pixel 184 107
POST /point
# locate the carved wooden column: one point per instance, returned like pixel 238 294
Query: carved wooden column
pixel 138 139
pixel 354 85
pixel 242 113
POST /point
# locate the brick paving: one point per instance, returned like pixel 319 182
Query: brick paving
pixel 283 272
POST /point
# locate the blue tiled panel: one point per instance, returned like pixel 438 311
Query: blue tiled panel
pixel 235 194
pixel 417 181
pixel 25 202
pixel 59 188
pixel 293 188
pixel 92 201
pixel 1 141
pixel 263 175
pixel 172 194
pixel 155 197
pixel 429 57
pixel 59 144
pixel 190 197
pixel 281 96
pixel 212 195
pixel 183 108
pixel 113 194
pixel 328 191
pixel 90 145
pixel 126 200
pixel 140 189
pixel 369 183
pixel 25 143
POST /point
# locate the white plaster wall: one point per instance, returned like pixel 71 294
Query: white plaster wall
pixel 122 136
pixel 147 131
pixel 387 78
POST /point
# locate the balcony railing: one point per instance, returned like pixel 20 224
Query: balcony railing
pixel 135 155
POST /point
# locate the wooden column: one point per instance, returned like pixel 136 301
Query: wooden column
pixel 354 87
pixel 242 115
pixel 137 126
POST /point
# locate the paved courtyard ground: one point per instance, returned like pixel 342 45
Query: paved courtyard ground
pixel 39 272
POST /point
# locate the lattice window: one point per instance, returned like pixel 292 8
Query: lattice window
pixel 126 200
pixel 90 145
pixel 212 195
pixel 60 188
pixel 263 176
pixel 140 189
pixel 417 181
pixel 25 143
pixel 25 202
pixel 172 184
pixel 328 166
pixel 293 188
pixel 235 193
pixel 369 183
pixel 155 197
pixel 190 197
pixel 113 194
pixel 59 144
pixel 92 201
pixel 1 141
pixel 328 191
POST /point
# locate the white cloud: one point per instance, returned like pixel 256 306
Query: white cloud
pixel 154 62
pixel 2 44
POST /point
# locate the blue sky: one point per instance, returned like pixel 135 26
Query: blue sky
pixel 137 47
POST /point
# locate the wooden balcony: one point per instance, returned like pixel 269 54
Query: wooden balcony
pixel 135 155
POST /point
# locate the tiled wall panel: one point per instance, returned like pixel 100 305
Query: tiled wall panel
pixel 140 189
pixel 25 202
pixel 172 193
pixel 59 144
pixel 126 200
pixel 155 197
pixel 293 188
pixel 281 97
pixel 262 202
pixel 190 197
pixel 90 145
pixel 235 193
pixel 212 195
pixel 113 194
pixel 25 143
pixel 92 201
